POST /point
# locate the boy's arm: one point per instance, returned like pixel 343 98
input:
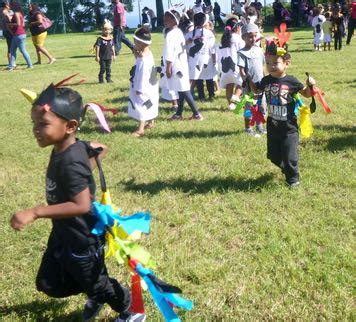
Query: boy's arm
pixel 97 49
pixel 113 54
pixel 79 205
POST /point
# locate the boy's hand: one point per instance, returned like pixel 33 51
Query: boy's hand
pixel 23 218
pixel 97 59
pixel 310 81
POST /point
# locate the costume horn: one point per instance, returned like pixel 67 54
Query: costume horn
pixel 29 95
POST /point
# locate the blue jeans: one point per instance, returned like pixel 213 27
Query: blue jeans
pixel 119 36
pixel 19 42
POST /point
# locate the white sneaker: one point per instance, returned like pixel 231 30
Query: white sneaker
pixel 235 99
pixel 231 107
pixel 133 317
pixel 252 133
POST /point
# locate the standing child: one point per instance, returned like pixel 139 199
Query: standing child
pixel 144 91
pixel 105 52
pixel 231 44
pixel 250 61
pixel 327 29
pixel 175 66
pixel 73 262
pixel 201 55
pixel 337 20
pixel 317 23
pixel 282 127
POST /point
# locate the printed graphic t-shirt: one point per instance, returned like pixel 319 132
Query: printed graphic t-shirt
pixel 68 174
pixel 279 97
pixel 105 50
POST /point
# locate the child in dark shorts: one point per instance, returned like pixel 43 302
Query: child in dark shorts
pixel 282 127
pixel 73 262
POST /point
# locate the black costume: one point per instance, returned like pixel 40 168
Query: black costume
pixel 105 55
pixel 73 262
pixel 282 127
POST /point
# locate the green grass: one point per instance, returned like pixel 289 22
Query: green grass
pixel 226 229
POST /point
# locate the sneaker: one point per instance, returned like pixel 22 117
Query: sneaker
pixel 53 60
pixel 131 317
pixel 109 81
pixel 91 310
pixel 294 185
pixel 252 133
pixel 232 106
pixel 235 99
pixel 175 117
pixel 197 117
pixel 260 129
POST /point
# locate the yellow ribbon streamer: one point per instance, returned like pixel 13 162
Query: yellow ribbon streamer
pixel 306 127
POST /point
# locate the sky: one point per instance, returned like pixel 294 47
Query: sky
pixel 133 20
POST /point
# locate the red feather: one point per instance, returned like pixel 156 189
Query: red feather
pixel 114 111
pixel 320 96
pixel 282 34
pixel 64 82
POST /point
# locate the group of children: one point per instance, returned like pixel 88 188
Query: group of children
pixel 73 262
pixel 328 25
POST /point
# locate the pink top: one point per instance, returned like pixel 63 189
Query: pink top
pixel 353 10
pixel 19 29
pixel 119 15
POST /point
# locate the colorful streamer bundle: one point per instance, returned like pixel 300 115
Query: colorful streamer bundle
pixel 304 112
pixel 247 98
pixel 121 233
pixel 319 94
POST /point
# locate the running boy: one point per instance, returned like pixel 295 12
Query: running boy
pixel 282 127
pixel 73 262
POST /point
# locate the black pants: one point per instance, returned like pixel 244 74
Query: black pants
pixel 8 38
pixel 153 23
pixel 337 40
pixel 200 87
pixel 283 152
pixel 119 36
pixel 64 273
pixel 350 29
pixel 105 67
pixel 190 100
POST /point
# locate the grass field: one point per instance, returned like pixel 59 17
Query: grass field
pixel 226 229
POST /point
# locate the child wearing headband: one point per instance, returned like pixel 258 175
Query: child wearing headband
pixel 282 127
pixel 175 66
pixel 144 91
pixel 231 44
pixel 73 261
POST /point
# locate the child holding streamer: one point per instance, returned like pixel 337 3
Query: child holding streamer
pixel 144 91
pixel 282 127
pixel 231 43
pixel 175 66
pixel 250 61
pixel 73 261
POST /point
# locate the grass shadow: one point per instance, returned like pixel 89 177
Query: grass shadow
pixel 41 311
pixel 194 186
pixel 340 143
pixel 192 134
pixel 82 56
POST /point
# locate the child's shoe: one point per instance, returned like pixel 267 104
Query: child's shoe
pixel 175 117
pixel 197 117
pixel 252 133
pixel 131 317
pixel 260 129
pixel 109 80
pixel 231 107
pixel 294 185
pixel 91 310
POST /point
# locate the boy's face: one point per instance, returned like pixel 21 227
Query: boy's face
pixel 250 38
pixel 276 66
pixel 48 128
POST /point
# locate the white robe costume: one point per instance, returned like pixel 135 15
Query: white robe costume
pixel 200 52
pixel 144 106
pixel 227 58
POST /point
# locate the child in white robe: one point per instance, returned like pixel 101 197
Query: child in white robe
pixel 144 90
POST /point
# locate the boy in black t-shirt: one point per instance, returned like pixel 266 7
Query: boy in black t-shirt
pixel 105 52
pixel 73 262
pixel 282 127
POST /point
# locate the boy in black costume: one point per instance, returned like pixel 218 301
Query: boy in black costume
pixel 73 262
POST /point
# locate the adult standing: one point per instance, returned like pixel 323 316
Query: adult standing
pixel 119 27
pixel 277 12
pixel 217 15
pixel 153 18
pixel 5 19
pixel 17 27
pixel 352 22
pixel 198 7
pixel 39 35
